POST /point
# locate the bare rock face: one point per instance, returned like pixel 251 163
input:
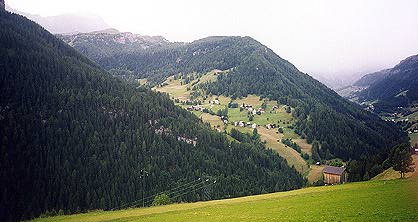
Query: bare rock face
pixel 111 38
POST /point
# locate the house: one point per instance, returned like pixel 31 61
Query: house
pixel 215 101
pixel 216 71
pixel 241 123
pixel 247 107
pixel 254 126
pixel 334 175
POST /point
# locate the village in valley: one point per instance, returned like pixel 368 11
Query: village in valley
pixel 271 120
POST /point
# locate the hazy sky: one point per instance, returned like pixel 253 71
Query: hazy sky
pixel 327 37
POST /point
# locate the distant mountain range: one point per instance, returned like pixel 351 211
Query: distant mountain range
pixel 336 82
pixel 102 44
pixel 369 79
pixel 387 89
pixel 67 23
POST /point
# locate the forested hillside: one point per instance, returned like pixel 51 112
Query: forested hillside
pixel 74 138
pixel 399 88
pixel 372 78
pixel 342 128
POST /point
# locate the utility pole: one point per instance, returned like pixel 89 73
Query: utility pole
pixel 143 174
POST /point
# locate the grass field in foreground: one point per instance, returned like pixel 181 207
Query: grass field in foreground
pixel 391 200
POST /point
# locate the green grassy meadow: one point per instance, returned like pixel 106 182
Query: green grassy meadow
pixel 390 200
pixel 178 90
pixel 414 138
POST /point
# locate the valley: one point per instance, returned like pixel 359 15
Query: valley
pixel 97 124
pixel 390 93
pixel 272 121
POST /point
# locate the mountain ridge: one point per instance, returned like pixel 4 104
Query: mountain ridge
pixel 74 138
pixel 342 127
pixel 395 87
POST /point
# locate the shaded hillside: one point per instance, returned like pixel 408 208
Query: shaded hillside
pixel 372 78
pixel 398 88
pixel 73 138
pixel 343 129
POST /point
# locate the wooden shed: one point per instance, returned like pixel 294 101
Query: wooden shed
pixel 334 175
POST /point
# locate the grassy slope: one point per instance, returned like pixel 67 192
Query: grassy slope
pixel 414 138
pixel 393 200
pixel 176 90
pixel 390 174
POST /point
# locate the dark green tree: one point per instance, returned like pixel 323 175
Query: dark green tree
pixel 315 151
pixel 401 159
pixel 161 199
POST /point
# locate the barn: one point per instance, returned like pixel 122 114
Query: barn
pixel 334 175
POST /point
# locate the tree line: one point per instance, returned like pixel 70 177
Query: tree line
pixel 73 138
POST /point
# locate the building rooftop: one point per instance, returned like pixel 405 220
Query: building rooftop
pixel 334 170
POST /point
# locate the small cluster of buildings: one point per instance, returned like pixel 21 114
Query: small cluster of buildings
pixel 215 102
pixel 252 110
pixel 245 124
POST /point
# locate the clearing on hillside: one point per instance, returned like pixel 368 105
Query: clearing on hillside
pixel 272 120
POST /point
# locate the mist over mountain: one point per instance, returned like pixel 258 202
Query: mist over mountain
pixel 66 23
pixel 372 78
pixel 336 82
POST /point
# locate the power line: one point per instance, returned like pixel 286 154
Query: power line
pixel 196 189
pixel 171 191
pixel 183 189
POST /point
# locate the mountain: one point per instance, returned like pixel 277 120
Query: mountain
pixel 372 78
pixel 110 43
pixel 67 23
pixel 336 82
pixel 103 44
pixel 342 128
pixel 73 138
pixel 393 88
